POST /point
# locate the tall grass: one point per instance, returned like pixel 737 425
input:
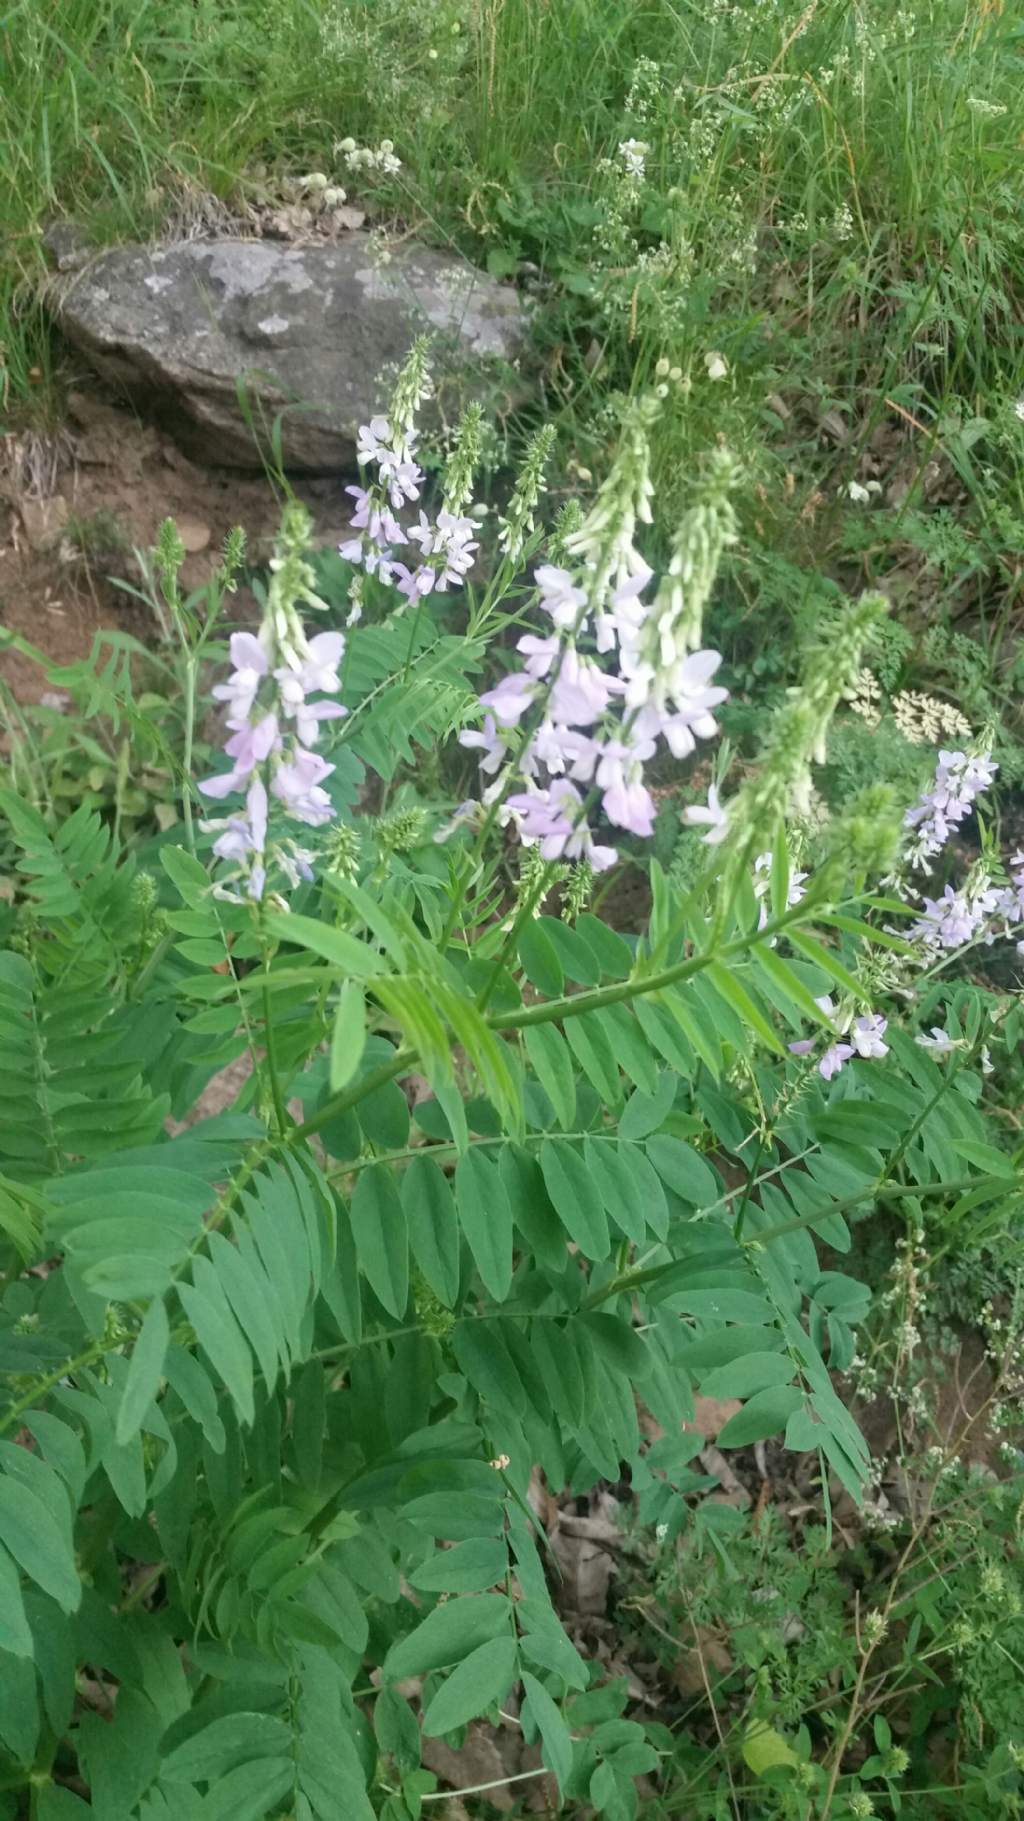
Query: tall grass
pixel 830 196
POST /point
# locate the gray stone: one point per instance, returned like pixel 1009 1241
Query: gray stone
pixel 312 332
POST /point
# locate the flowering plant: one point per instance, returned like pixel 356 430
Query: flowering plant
pixel 280 1382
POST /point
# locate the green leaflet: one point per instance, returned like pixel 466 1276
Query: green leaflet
pixel 39 1544
pixel 539 959
pixel 448 1635
pixel 344 952
pixel 574 1198
pixel 218 1333
pixel 235 1739
pixel 433 1227
pixel 556 1740
pixel 145 1370
pixel 470 1567
pixel 348 1036
pixel 553 1065
pixel 485 1215
pixel 381 1236
pixel 765 1414
pixel 484 1677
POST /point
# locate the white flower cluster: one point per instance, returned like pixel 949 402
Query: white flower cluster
pixel 366 158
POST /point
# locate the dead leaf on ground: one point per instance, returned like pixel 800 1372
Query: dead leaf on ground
pixel 710 1414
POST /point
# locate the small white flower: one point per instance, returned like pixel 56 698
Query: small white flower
pixel 1018 409
pixel 633 153
pixel 716 364
pixel 858 494
pixel 714 815
pixel 940 1041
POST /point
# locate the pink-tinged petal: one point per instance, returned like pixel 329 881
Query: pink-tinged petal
pixel 223 785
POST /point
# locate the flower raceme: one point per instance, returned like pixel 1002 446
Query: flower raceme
pixel 274 724
pixel 614 669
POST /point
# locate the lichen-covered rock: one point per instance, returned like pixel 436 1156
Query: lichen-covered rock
pixel 308 333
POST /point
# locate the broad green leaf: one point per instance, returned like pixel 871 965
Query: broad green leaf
pixel 470 1567
pixel 344 952
pixel 250 1792
pixel 556 1740
pixel 634 1054
pixel 751 1372
pixel 254 1303
pixel 539 960
pixel 731 988
pixel 575 955
pixel 447 1635
pixel 531 1206
pixel 618 1342
pixel 381 1236
pixel 764 1749
pixel 985 1157
pixel 553 1065
pixel 646 1113
pixel 611 950
pixel 190 877
pixel 485 1676
pixel 575 1198
pixel 616 1183
pixel 684 1170
pixel 825 958
pixel 36 1540
pixel 348 1037
pixel 592 1047
pixel 218 1748
pixel 433 1227
pixel 485 1215
pixel 766 1414
pixel 487 1363
pixel 558 1364
pixel 218 1333
pixel 397 1729
pixel 697 1025
pixel 15 1635
pixel 145 1370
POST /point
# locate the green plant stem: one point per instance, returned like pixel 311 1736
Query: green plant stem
pixel 277 1095
pixel 572 1005
pixel 191 677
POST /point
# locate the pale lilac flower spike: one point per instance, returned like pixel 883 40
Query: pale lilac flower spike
pixel 274 726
